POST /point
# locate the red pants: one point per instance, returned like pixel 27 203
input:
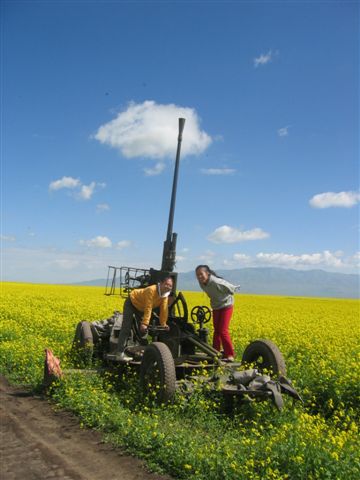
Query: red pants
pixel 222 319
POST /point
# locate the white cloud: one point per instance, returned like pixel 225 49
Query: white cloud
pixel 51 265
pixel 150 130
pixel 332 199
pixel 334 261
pixel 102 207
pixel 64 182
pixel 7 238
pixel 180 258
pixel 87 191
pixel 218 171
pixel 82 192
pixel 355 260
pixel 263 59
pixel 99 242
pixel 123 244
pixel 238 259
pixel 156 170
pixel 241 257
pixel 66 263
pixel 226 234
pixel 208 257
pixel 284 131
pixel 325 258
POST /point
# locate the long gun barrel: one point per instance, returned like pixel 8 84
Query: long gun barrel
pixel 169 251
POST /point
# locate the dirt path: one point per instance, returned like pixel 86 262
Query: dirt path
pixel 38 443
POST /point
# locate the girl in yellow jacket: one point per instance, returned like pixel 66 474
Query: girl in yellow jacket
pixel 141 303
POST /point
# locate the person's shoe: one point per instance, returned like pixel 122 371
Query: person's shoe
pixel 122 357
pixel 229 359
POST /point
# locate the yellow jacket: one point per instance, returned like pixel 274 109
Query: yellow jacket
pixel 145 299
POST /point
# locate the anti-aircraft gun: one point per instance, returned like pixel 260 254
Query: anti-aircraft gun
pixel 166 359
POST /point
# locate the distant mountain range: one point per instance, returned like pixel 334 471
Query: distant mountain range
pixel 277 281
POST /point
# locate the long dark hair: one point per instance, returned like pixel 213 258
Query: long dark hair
pixel 208 270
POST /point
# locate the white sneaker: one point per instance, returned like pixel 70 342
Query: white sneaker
pixel 229 359
pixel 122 357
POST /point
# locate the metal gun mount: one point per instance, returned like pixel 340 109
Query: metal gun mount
pixel 121 280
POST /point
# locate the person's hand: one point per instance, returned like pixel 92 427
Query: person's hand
pixel 143 328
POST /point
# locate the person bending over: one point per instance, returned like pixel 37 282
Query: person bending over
pixel 221 294
pixel 141 303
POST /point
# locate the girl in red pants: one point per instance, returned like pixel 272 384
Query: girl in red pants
pixel 221 294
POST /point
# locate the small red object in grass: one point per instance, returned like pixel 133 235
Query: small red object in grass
pixel 52 370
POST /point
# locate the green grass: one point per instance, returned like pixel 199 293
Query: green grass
pixel 193 439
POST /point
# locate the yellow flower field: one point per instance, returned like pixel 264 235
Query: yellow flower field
pixel 319 339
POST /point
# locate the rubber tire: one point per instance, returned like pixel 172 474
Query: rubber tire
pixel 84 342
pixel 272 357
pixel 158 353
pixel 83 334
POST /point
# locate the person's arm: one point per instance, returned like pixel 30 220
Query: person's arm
pixel 225 286
pixel 148 306
pixel 164 311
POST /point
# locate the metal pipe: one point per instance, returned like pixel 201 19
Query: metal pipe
pixel 175 179
pixel 169 250
pixel 203 346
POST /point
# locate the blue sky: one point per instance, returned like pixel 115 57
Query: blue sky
pixel 91 93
